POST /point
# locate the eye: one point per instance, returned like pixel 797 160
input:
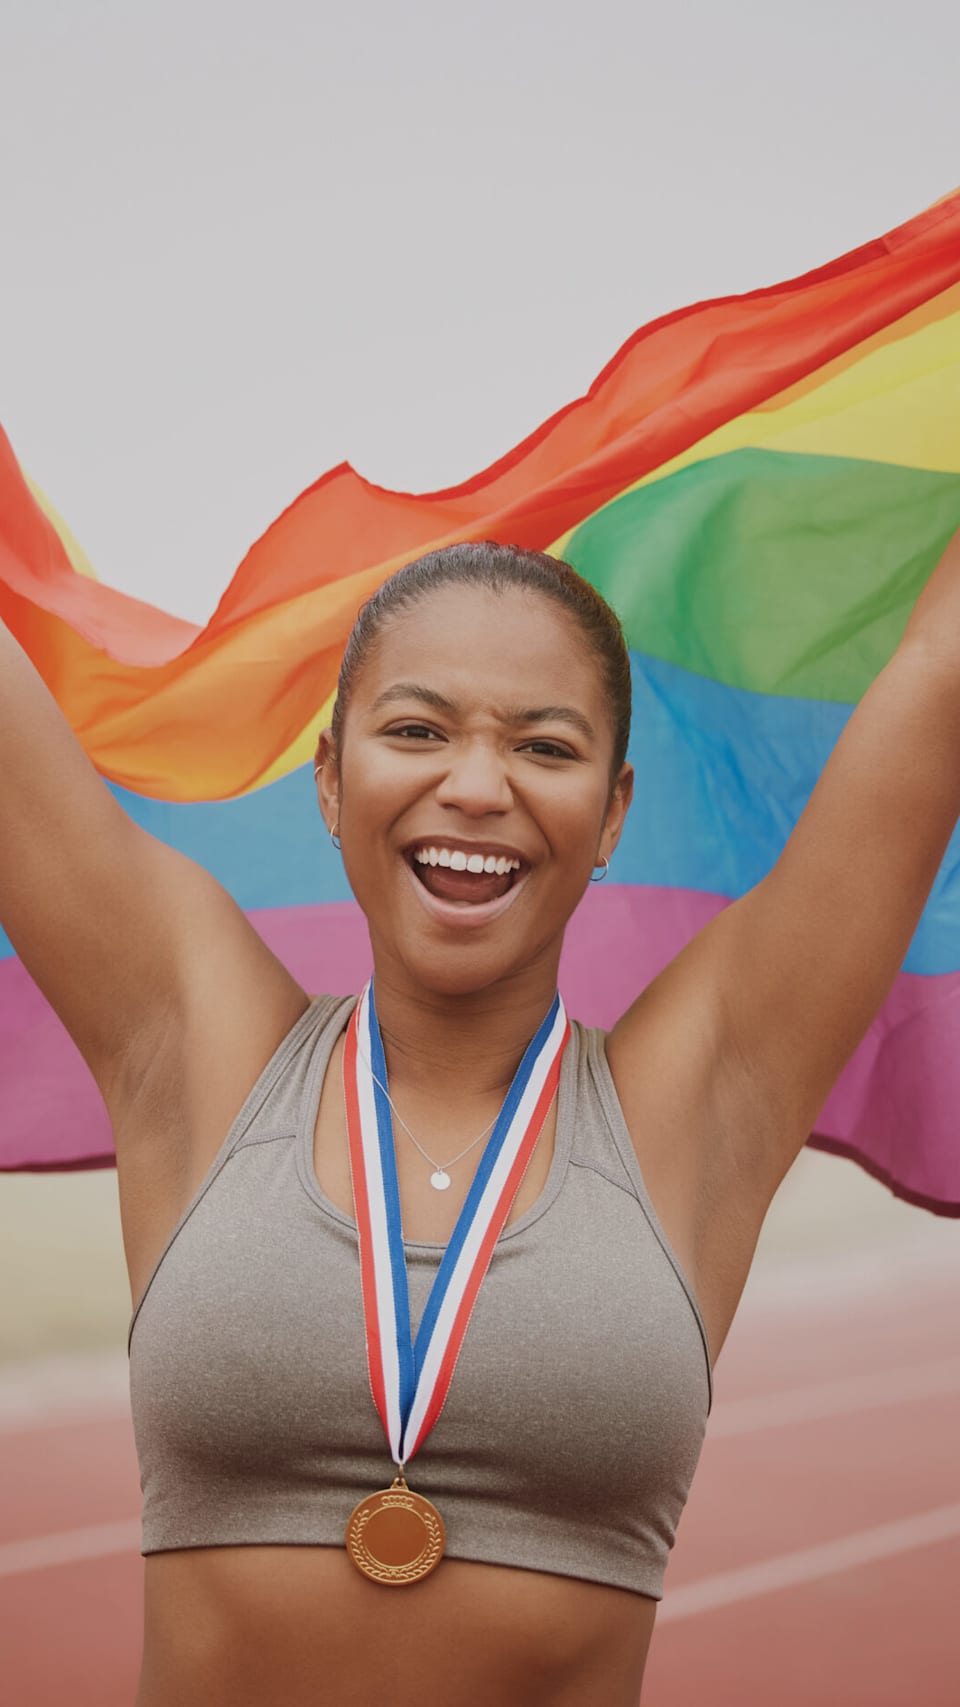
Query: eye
pixel 548 750
pixel 415 732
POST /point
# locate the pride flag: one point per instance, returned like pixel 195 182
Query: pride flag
pixel 760 485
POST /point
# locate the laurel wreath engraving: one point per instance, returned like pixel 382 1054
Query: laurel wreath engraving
pixel 414 1569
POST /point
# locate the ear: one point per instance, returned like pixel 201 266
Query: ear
pixel 328 778
pixel 620 797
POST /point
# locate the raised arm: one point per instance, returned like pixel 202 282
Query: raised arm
pixel 787 980
pixel 129 941
pixel 725 1060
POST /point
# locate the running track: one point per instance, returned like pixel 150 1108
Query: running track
pixel 818 1560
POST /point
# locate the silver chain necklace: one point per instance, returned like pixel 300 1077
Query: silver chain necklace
pixel 440 1178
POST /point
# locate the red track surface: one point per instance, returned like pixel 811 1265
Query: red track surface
pixel 837 1421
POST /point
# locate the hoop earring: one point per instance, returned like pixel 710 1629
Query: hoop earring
pixel 606 867
pixel 318 768
pixel 333 837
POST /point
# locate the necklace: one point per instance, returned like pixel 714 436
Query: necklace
pixel 440 1178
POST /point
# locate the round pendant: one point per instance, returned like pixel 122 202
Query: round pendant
pixel 395 1536
pixel 439 1180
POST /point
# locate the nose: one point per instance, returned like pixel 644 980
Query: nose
pixel 476 780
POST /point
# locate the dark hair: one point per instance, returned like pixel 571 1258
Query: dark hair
pixel 500 568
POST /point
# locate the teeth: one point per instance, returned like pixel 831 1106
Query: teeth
pixel 457 860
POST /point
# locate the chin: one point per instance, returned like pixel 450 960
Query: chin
pixel 457 971
pixel 456 960
pixel 461 969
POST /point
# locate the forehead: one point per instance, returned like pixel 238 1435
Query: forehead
pixel 488 644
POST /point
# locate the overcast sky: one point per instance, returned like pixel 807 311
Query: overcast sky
pixel 243 242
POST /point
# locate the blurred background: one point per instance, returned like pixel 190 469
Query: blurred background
pixel 242 244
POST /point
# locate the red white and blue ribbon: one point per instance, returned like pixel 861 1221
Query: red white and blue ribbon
pixel 410 1382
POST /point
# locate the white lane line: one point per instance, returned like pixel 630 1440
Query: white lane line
pixel 917 1261
pixel 835 1398
pixel 809 1564
pixel 50 1392
pixel 29 1419
pixel 68 1548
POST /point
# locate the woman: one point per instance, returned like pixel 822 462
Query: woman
pixel 475 779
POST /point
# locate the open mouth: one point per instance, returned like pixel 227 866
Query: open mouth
pixel 451 874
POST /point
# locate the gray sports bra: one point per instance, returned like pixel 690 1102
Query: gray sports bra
pixel 577 1411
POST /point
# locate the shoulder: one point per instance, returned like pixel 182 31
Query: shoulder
pixel 183 1098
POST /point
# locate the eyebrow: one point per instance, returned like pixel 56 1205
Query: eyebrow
pixel 511 714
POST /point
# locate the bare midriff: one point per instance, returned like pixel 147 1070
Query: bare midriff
pixel 258 1626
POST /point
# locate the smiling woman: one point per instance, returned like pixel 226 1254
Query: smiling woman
pixel 416 1298
pixel 374 1242
pixel 386 1383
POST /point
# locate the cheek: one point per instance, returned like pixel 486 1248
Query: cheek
pixel 579 805
pixel 378 782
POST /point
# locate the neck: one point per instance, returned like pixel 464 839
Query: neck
pixel 470 1045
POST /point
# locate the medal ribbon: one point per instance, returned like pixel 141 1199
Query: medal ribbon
pixel 409 1381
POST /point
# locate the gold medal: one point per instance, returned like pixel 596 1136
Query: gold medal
pixel 395 1536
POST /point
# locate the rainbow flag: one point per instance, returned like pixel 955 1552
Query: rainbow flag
pixel 760 485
